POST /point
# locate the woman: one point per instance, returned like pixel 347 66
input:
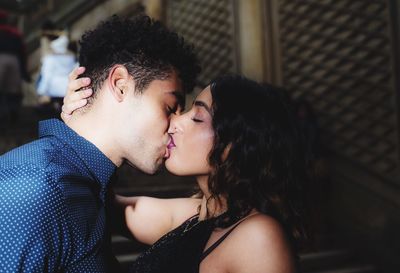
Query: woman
pixel 240 141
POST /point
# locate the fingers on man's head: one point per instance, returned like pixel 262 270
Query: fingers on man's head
pixel 69 108
pixel 76 72
pixel 77 84
pixel 77 96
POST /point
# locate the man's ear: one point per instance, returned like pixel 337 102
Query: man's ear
pixel 118 82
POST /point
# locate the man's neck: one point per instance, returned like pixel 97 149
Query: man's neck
pixel 94 129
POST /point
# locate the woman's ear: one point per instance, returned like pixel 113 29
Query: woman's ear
pixel 225 154
pixel 118 82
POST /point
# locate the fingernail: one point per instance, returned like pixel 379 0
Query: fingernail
pixel 86 80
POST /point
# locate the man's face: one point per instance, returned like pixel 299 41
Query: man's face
pixel 146 118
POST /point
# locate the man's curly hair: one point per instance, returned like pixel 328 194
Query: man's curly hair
pixel 145 47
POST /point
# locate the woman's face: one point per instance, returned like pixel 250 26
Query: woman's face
pixel 192 138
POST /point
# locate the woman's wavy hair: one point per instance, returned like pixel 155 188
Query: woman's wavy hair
pixel 263 166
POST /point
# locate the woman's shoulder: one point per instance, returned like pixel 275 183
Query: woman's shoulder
pixel 262 224
pixel 260 238
pixel 259 228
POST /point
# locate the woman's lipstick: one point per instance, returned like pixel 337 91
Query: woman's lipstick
pixel 171 143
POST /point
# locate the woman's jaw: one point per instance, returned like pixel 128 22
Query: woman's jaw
pixel 213 206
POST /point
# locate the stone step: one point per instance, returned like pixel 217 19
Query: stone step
pixel 333 261
pixel 351 269
pixel 314 261
pixel 126 250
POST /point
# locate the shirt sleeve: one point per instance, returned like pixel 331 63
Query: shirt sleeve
pixel 31 222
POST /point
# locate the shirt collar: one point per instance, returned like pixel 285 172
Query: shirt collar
pixel 100 167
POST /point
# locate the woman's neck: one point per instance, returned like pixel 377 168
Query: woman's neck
pixel 210 206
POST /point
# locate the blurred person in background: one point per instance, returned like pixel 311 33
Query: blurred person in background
pixel 13 70
pixel 57 62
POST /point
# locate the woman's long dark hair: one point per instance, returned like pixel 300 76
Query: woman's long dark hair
pixel 264 168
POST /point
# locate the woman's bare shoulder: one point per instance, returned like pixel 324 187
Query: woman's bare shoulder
pixel 262 225
pixel 260 242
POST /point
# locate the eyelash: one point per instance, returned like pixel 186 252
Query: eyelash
pixel 196 120
pixel 171 111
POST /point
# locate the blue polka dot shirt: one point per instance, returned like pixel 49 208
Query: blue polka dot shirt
pixel 52 204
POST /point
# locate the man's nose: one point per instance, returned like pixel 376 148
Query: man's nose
pixel 174 124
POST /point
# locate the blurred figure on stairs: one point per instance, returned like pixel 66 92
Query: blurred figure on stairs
pixel 13 70
pixel 57 62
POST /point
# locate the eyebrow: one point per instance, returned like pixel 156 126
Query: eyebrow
pixel 202 104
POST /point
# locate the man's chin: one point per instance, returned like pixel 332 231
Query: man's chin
pixel 155 170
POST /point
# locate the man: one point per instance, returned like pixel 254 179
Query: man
pixel 53 190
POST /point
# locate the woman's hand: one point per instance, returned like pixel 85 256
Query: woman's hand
pixel 74 99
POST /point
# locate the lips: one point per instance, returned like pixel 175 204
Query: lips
pixel 171 143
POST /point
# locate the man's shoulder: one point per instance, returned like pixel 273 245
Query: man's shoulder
pixel 37 154
pixel 41 163
pixel 31 164
pixel 30 187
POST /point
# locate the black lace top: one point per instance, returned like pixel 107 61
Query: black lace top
pixel 179 251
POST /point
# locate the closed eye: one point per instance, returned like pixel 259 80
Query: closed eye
pixel 171 110
pixel 196 120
